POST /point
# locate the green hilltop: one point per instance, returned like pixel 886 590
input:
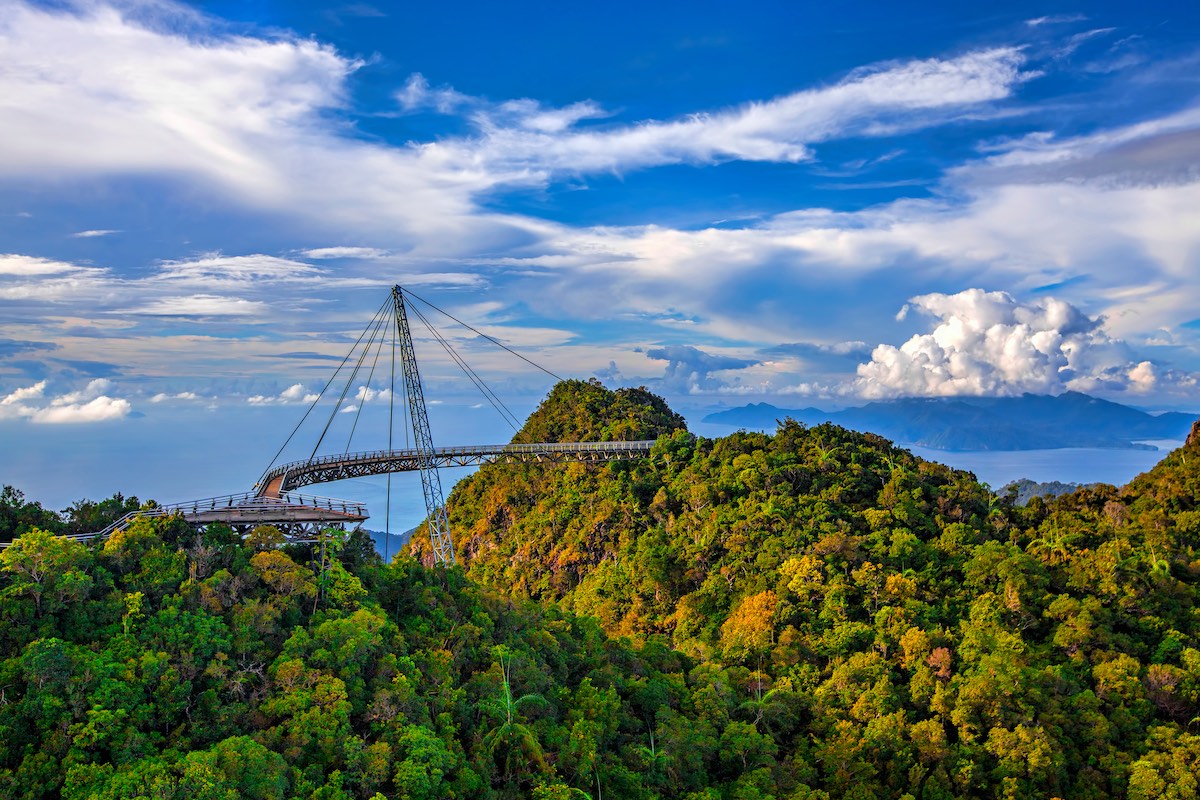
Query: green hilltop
pixel 813 613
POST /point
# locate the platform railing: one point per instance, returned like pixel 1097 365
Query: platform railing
pixel 242 501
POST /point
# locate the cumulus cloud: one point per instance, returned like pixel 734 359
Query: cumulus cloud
pixel 89 404
pixel 691 370
pixel 1121 247
pixel 163 397
pixel 366 394
pixel 19 396
pixel 97 409
pixel 258 121
pixel 990 343
pixel 296 393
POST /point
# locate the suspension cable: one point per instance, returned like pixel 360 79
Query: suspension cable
pixel 493 340
pixel 366 392
pixel 377 323
pixel 473 376
pixel 324 389
pixel 387 514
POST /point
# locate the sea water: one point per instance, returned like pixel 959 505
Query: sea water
pixel 1069 465
pixel 999 467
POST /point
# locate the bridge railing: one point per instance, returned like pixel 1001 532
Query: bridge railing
pixel 466 451
pixel 474 449
pixel 243 501
pixel 250 501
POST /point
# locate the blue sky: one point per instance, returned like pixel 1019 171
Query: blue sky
pixel 811 204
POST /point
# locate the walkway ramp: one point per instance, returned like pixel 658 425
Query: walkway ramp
pixel 286 477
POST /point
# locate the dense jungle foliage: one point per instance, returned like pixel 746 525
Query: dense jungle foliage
pixel 813 614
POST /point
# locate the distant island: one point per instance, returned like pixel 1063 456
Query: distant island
pixel 1028 422
pixel 1024 490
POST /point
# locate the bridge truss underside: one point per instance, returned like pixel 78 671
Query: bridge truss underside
pixel 300 518
pixel 296 523
pixel 287 477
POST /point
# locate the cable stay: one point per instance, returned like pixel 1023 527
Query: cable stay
pixel 363 357
pixel 493 340
pixel 431 481
pixel 303 518
pixel 382 310
pixel 488 395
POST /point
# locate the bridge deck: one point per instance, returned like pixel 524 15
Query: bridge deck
pixel 289 512
pixel 377 462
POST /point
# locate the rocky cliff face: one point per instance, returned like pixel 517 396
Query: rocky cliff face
pixel 1193 439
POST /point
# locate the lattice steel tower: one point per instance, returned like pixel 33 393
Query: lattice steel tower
pixel 431 481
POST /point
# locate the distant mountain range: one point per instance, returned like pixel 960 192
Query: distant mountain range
pixel 1029 422
pixel 390 548
pixel 1026 489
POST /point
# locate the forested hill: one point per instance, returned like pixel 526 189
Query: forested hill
pixel 812 614
pixel 887 623
pixel 585 411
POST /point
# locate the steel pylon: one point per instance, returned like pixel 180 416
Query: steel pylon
pixel 431 481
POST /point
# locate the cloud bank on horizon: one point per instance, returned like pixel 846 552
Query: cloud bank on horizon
pixel 205 208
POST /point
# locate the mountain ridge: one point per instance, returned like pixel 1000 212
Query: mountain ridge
pixel 1028 422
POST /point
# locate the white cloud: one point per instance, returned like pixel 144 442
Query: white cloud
pixel 96 410
pixel 163 397
pixel 93 234
pixel 216 270
pixel 463 279
pixel 19 396
pixel 102 91
pixel 365 394
pixel 89 404
pixel 94 389
pixel 99 91
pixel 31 266
pixel 1056 19
pixel 1143 378
pixel 345 252
pixel 418 95
pixel 296 393
pixel 990 343
pixel 30 278
pixel 527 140
pixel 1148 152
pixel 1122 247
pixel 201 305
